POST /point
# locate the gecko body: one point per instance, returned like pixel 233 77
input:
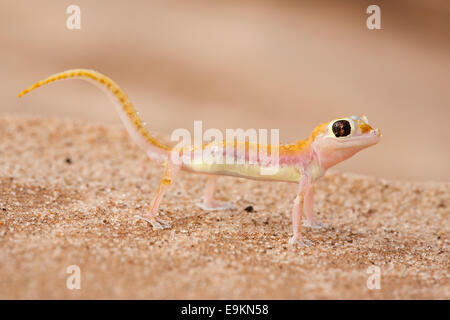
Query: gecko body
pixel 302 162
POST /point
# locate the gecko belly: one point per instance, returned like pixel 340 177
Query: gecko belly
pixel 248 171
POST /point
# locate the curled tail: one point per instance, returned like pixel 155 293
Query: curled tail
pixel 127 113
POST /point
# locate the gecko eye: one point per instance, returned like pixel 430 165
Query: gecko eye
pixel 341 128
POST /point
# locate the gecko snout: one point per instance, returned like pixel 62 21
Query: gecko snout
pixel 376 132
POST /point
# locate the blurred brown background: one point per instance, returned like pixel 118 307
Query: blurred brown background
pixel 261 64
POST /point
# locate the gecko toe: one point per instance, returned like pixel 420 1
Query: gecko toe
pixel 156 223
pixel 315 225
pixel 165 224
pixel 300 242
pixel 215 206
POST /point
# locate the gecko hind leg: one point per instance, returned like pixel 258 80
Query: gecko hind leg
pixel 209 204
pixel 152 216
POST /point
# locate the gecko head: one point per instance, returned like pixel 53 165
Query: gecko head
pixel 341 138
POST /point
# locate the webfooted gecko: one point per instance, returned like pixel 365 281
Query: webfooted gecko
pixel 302 162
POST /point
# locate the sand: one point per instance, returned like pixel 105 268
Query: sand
pixel 69 191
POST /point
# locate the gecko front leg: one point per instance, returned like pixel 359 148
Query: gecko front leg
pixel 311 220
pixel 209 203
pixel 152 216
pixel 297 216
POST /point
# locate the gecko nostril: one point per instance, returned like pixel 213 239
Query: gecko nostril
pixel 376 132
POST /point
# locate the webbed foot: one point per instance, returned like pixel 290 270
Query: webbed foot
pixel 315 224
pixel 156 223
pixel 300 242
pixel 215 206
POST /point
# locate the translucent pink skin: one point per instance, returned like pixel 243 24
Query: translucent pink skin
pixel 312 161
pixel 325 152
pixel 331 151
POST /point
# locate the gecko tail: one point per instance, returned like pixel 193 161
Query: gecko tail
pixel 134 125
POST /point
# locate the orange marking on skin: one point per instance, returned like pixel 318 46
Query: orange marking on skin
pixel 287 149
pixel 365 128
pixel 302 145
pixel 166 181
pixel 114 88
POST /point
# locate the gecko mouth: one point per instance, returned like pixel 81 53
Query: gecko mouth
pixel 367 139
pixel 370 138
